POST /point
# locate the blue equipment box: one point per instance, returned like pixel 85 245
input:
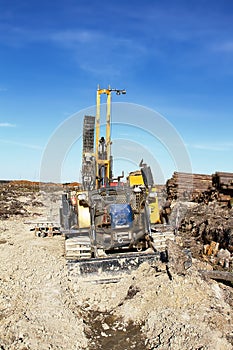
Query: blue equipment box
pixel 121 215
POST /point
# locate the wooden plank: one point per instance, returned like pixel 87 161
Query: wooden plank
pixel 218 275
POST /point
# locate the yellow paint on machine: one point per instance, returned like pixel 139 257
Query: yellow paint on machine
pixel 83 217
pixel 154 207
pixel 84 220
pixel 136 179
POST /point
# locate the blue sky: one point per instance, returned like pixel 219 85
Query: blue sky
pixel 173 57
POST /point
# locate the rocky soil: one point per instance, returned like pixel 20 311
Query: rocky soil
pixel 160 307
pixel 203 224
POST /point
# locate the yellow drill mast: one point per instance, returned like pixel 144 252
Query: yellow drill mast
pixel 103 145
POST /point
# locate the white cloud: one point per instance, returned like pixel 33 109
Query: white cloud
pixel 97 40
pixel 7 125
pixel 226 46
pixel 216 147
pixel 108 69
pixel 25 145
pixel 72 37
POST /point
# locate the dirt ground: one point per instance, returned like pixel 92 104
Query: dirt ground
pixel 42 307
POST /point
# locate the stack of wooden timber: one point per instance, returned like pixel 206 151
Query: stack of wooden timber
pixel 188 185
pixel 201 187
pixel 223 182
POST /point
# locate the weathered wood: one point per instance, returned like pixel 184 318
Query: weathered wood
pixel 188 184
pixel 218 275
pixel 224 197
pixel 201 187
pixel 223 180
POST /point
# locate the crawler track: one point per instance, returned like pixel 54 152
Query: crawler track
pixel 111 268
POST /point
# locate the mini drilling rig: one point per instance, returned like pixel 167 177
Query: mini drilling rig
pixel 108 223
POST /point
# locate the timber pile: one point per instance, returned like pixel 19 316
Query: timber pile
pixel 223 182
pixel 188 186
pixel 201 188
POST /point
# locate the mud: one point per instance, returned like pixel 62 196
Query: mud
pixel 107 331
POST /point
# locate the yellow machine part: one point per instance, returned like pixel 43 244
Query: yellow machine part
pixel 135 179
pixel 84 220
pixel 83 217
pixel 154 207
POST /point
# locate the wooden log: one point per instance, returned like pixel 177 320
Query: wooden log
pixel 224 197
pixel 220 179
pixel 218 275
pixel 183 184
pixel 223 174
